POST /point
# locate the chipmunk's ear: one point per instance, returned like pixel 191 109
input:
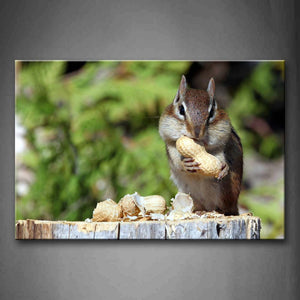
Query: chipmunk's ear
pixel 211 88
pixel 213 106
pixel 182 86
pixel 181 91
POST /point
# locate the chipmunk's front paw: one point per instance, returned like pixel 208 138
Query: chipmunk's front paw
pixel 190 165
pixel 223 172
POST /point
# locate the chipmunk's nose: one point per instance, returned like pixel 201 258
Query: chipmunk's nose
pixel 197 131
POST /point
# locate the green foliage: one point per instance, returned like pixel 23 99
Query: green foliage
pixel 254 98
pixel 94 134
pixel 267 203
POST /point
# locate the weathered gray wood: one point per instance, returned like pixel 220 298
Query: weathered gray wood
pixel 82 230
pixel 60 230
pixel 107 230
pixel 212 229
pixel 37 229
pixel 142 230
pixel 232 227
pixel 187 229
pixel 253 228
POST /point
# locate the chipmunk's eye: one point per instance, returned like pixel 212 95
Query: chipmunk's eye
pixel 181 110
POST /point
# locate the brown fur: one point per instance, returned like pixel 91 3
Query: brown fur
pixel 219 139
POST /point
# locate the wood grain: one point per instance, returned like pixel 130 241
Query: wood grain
pixel 232 227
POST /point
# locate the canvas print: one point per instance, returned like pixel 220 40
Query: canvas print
pixel 149 149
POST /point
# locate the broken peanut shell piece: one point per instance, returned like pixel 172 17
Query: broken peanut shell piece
pixel 128 205
pixel 150 204
pixel 209 164
pixel 107 211
pixel 182 208
pixel 183 202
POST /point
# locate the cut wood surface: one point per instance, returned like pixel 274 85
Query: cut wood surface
pixel 231 227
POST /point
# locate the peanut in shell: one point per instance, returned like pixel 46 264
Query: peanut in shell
pixel 209 164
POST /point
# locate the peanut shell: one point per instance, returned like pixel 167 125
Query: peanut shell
pixel 129 206
pixel 154 204
pixel 182 208
pixel 107 211
pixel 209 164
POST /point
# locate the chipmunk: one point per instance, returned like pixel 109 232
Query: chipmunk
pixel 194 113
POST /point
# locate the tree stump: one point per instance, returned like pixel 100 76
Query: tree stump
pixel 231 227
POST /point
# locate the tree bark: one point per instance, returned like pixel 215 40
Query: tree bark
pixel 232 227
